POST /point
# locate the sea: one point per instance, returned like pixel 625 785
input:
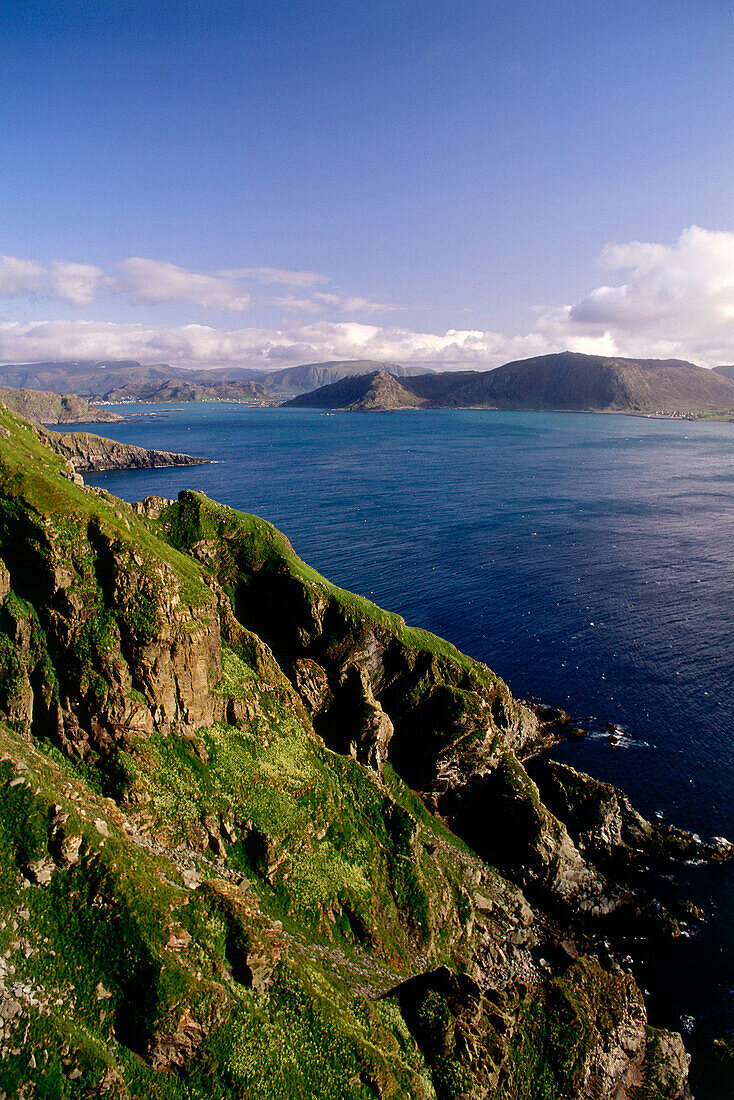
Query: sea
pixel 588 559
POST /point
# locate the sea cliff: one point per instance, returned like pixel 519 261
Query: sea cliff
pixel 260 838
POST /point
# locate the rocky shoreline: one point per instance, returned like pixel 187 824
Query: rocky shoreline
pixel 89 453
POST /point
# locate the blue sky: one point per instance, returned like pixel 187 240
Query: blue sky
pixel 265 182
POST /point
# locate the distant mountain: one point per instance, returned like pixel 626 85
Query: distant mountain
pixel 99 377
pixel 563 381
pixel 311 376
pixel 174 389
pixel 376 391
pixel 725 371
pixel 53 408
pixel 89 377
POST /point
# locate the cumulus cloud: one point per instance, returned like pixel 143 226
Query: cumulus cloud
pixel 204 345
pixel 674 300
pixel 79 284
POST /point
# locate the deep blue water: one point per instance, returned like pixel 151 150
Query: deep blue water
pixel 587 559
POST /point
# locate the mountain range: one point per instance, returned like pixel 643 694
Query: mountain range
pixel 120 379
pixel 563 381
pixel 181 390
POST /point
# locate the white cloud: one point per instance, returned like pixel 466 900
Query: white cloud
pixel 19 276
pixel 158 282
pixel 79 284
pixel 203 345
pixel 154 281
pixel 270 276
pixel 330 302
pixel 676 300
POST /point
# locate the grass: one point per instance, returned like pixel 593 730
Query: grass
pixel 33 487
pixel 195 518
pixel 329 867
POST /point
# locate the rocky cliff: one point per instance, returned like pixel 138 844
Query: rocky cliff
pixel 88 453
pixel 235 803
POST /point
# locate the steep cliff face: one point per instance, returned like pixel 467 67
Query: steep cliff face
pixel 450 716
pixel 215 878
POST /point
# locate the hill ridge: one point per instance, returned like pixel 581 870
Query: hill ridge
pixel 563 381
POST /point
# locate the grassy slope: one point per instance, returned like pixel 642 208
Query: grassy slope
pixel 267 547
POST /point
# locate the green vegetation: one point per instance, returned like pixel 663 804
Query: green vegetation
pixel 248 543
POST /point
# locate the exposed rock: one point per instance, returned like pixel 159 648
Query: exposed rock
pixel 605 825
pixel 176 1048
pixel 69 850
pixel 312 684
pixel 613 1056
pixel 89 453
pixel 4 583
pixel 151 507
pixel 41 871
pixel 502 815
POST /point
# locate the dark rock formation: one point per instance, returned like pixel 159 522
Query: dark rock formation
pixel 88 453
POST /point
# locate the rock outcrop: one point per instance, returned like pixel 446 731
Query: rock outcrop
pixel 89 453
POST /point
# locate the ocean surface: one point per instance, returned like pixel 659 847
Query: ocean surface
pixel 588 559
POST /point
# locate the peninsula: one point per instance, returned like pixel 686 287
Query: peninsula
pixel 89 453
